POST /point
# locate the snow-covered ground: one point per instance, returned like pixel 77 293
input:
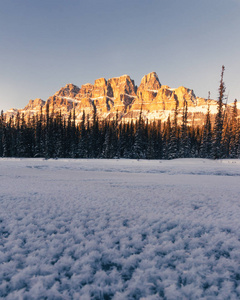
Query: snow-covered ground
pixel 119 229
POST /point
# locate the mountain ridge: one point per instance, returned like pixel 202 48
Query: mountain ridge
pixel 120 95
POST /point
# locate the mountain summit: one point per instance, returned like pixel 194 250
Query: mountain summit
pixel 121 95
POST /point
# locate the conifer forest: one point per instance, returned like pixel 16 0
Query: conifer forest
pixel 52 136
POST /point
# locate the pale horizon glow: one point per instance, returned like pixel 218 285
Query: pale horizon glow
pixel 47 44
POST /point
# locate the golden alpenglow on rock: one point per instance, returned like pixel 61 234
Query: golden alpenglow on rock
pixel 120 95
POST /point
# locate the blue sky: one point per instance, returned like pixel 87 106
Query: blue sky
pixel 46 44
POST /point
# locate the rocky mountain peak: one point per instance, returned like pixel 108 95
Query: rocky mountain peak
pixel 122 85
pixel 85 91
pixel 69 90
pixel 99 88
pixel 34 104
pixel 100 82
pixel 184 94
pixel 122 91
pixel 150 82
pixel 148 89
pixel 119 94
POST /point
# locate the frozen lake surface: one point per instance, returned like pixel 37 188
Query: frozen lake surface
pixel 119 229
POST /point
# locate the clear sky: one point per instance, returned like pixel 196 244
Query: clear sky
pixel 49 43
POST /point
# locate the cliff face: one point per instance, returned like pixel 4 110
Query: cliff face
pixel 121 95
pixel 34 105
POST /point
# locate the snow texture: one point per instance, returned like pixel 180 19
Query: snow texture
pixel 119 229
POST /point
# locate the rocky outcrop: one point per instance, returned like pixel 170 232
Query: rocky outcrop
pixel 99 96
pixel 85 91
pixel 34 104
pixel 122 91
pixel 99 88
pixel 147 91
pixel 120 94
pixel 69 91
pixel 164 100
pixel 150 82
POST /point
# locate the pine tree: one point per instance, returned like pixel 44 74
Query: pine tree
pixel 150 151
pixel 114 138
pixel 167 132
pixel 29 136
pixel 15 138
pixel 94 147
pixel 184 148
pixel 47 134
pixel 1 133
pixel 69 142
pixel 195 136
pixel 206 145
pixel 128 140
pixel 39 147
pixel 74 135
pixel 82 142
pixel 21 138
pixel 158 141
pixel 107 145
pixel 238 139
pixel 218 126
pixel 7 139
pixel 233 147
pixel 120 141
pixel 225 137
pixel 173 150
pixel 138 147
pixel 58 135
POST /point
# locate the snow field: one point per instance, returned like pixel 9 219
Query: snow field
pixel 119 229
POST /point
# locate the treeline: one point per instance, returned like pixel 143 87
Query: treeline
pixel 50 135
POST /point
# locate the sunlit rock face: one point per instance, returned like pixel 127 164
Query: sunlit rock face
pixel 120 96
pixel 69 91
pixel 35 104
pixel 147 92
pixel 122 91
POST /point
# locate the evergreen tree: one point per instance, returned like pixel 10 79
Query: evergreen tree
pixel 206 145
pixel 22 138
pixel 47 134
pixel 150 151
pixel 94 147
pixel 39 145
pixel 1 133
pixel 6 139
pixel 167 133
pixel 218 126
pixel 82 143
pixel 120 141
pixel 174 137
pixel 233 145
pixel 158 141
pixel 225 138
pixel 107 145
pixel 74 136
pixel 184 148
pixel 58 136
pixel 138 147
pixel 238 140
pixel 195 138
pixel 128 140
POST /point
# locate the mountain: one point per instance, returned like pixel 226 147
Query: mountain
pixel 121 95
